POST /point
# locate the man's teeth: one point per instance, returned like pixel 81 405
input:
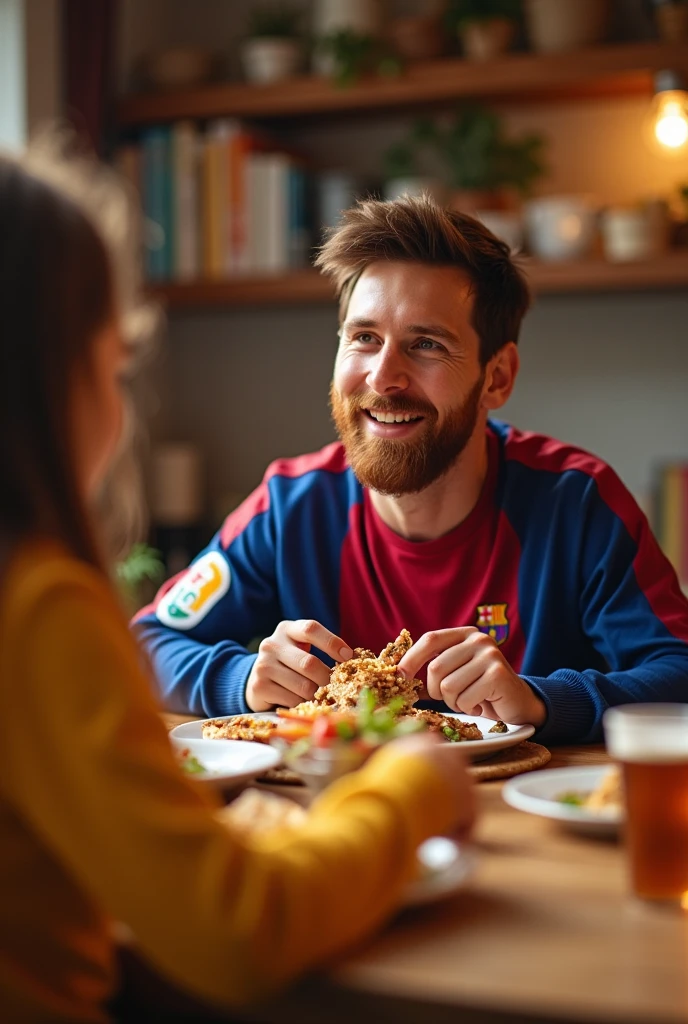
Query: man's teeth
pixel 392 417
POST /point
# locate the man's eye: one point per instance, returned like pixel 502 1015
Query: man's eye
pixel 367 339
pixel 427 344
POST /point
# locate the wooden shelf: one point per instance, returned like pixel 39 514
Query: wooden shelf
pixel 307 287
pixel 622 69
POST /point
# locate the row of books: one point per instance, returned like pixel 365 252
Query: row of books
pixel 217 202
pixel 670 514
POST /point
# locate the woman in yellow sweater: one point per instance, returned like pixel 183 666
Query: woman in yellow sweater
pixel 97 824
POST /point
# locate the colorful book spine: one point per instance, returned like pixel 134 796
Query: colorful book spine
pixel 186 206
pixel 671 515
pixel 157 202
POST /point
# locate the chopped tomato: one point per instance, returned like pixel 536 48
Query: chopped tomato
pixel 292 730
pixel 293 715
pixel 323 731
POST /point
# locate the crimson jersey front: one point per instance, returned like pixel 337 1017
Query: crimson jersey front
pixel 556 562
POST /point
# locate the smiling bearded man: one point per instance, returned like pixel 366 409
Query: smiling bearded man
pixel 404 466
pixel 522 567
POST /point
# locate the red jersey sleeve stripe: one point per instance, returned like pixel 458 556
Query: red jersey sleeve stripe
pixel 329 459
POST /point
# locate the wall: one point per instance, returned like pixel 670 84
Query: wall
pixel 29 67
pixel 609 372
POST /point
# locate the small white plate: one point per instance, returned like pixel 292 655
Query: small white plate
pixel 445 867
pixel 540 792
pixel 228 762
pixel 477 750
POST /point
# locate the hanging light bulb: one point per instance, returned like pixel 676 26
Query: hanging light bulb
pixel 667 124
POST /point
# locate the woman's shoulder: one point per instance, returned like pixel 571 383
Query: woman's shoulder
pixel 40 568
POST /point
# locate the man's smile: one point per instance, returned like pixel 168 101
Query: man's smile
pixel 397 425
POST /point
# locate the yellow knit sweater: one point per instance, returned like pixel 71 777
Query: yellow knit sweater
pixel 98 824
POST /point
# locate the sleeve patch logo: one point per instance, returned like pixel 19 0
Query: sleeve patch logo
pixel 493 621
pixel 199 590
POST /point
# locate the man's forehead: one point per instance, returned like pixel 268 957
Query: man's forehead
pixel 417 293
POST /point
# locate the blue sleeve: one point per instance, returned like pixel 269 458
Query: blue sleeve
pixel 229 591
pixel 632 612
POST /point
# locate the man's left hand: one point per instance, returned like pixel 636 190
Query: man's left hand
pixel 470 674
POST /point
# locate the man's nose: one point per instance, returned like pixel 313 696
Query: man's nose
pixel 388 372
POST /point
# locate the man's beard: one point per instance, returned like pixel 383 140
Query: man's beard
pixel 405 466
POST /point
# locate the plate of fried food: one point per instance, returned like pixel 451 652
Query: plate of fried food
pixel 587 799
pixel 444 865
pixel 366 702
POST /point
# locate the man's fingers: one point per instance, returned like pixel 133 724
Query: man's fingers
pixel 430 646
pixel 301 677
pixel 279 696
pixel 308 631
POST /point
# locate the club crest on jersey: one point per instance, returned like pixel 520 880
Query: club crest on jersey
pixel 493 621
pixel 198 590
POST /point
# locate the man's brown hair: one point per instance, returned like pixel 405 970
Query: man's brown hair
pixel 417 230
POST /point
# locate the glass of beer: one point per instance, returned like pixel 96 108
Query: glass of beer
pixel 650 742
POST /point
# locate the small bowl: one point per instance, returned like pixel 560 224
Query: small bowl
pixel 320 766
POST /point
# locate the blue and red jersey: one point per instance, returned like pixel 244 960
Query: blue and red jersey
pixel 556 562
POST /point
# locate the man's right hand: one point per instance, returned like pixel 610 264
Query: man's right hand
pixel 285 673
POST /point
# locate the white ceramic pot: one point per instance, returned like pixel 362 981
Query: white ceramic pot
pixel 560 227
pixel 558 25
pixel 395 188
pixel 505 224
pixel 267 59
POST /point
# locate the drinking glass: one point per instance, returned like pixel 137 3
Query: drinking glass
pixel 650 742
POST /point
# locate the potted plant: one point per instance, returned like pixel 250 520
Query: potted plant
pixel 402 173
pixel 138 575
pixel 272 50
pixel 558 25
pixel 485 28
pixel 355 19
pixel 349 54
pixel 484 168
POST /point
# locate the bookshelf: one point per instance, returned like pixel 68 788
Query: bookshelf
pixel 612 70
pixel 307 287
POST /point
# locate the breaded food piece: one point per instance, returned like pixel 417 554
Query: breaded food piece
pixel 607 794
pixel 395 651
pixel 380 675
pixel 499 727
pixel 254 813
pixel 306 707
pixel 436 722
pixel 241 727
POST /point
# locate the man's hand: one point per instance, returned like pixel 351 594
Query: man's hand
pixel 468 672
pixel 285 672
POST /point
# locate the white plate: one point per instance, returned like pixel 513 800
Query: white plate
pixel 228 762
pixel 538 793
pixel 445 865
pixel 478 750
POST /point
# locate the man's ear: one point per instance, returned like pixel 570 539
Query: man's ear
pixel 500 376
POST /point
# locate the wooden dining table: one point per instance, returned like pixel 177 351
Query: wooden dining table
pixel 546 930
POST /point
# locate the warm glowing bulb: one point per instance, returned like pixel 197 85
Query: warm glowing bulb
pixel 669 120
pixel 671 126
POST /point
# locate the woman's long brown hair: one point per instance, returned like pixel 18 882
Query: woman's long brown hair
pixel 59 283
